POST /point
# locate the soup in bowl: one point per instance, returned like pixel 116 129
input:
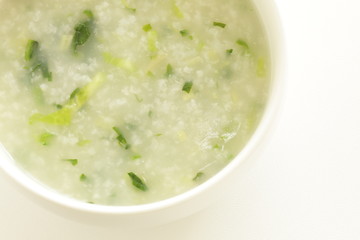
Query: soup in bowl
pixel 125 111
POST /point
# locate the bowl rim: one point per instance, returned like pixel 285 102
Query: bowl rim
pixel 24 179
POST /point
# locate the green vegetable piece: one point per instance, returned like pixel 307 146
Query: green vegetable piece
pixel 186 33
pixel 82 31
pixel 147 27
pixel 187 87
pixel 219 24
pixel 177 11
pixel 198 176
pixel 89 14
pixel 229 51
pixel 83 177
pixel 58 106
pixel 31 47
pixel 136 157
pixel 32 55
pixel 152 39
pixel 119 62
pixel 46 138
pixel 60 117
pixel 261 68
pixel 139 99
pixel 216 146
pixel 121 139
pixel 73 94
pixel 244 45
pixel 73 162
pixel 169 71
pixel 64 115
pixel 125 3
pixel 82 143
pixel 137 182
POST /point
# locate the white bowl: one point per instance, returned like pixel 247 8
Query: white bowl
pixel 181 205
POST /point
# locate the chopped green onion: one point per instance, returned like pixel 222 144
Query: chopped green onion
pixel 169 70
pixel 198 176
pixel 73 161
pixel 121 139
pixel 31 48
pixel 83 177
pixel 147 27
pixel 137 182
pixel 187 87
pixel 219 24
pixel 46 138
pixel 82 31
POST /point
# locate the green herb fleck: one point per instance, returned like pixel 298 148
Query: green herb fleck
pixel 58 106
pixel 82 31
pixel 73 94
pixel 137 182
pixel 83 142
pixel 32 55
pixel 73 162
pixel 261 68
pixel 89 14
pixel 46 138
pixel 187 87
pixel 198 176
pixel 147 27
pixel 152 40
pixel 177 11
pixel 83 177
pixel 169 70
pixel 158 134
pixel 136 157
pixel 31 47
pixel 121 139
pixel 139 99
pixel 219 24
pixel 244 45
pixel 125 3
pixel 216 146
pixel 185 33
pixel 229 51
pixel 150 113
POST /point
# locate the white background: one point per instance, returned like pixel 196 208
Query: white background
pixel 305 186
